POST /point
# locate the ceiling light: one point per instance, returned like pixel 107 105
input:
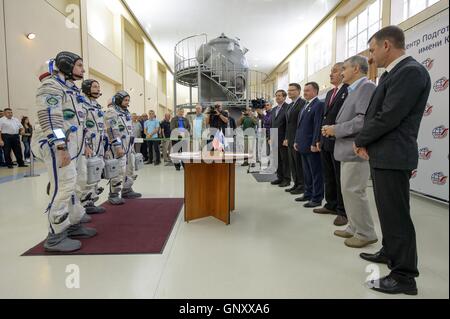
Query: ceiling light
pixel 31 36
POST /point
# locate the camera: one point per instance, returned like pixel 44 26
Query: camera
pixel 258 103
pixel 214 109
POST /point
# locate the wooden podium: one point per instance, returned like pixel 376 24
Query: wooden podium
pixel 209 184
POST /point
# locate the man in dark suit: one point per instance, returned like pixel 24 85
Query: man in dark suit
pixel 279 122
pixel 295 159
pixel 330 167
pixel 389 141
pixel 307 143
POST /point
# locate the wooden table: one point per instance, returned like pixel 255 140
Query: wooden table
pixel 209 184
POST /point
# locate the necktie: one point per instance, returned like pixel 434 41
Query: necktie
pixel 278 111
pixel 290 109
pixel 333 96
pixel 304 109
pixel 383 77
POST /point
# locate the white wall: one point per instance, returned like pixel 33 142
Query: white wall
pixel 104 61
pixel 103 47
pixel 24 56
pixel 130 51
pixel 108 89
pixel 3 70
pixel 151 75
pixel 101 23
pixel 134 85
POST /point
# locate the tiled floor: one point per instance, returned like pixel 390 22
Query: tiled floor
pixel 274 248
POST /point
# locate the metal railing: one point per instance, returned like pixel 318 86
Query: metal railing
pixel 193 60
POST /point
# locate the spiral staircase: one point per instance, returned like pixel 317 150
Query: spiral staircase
pixel 237 85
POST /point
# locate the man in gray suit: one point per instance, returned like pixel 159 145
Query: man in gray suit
pixel 355 172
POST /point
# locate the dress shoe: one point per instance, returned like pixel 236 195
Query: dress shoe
pixel 297 191
pixel 378 258
pixel 284 184
pixel 290 189
pixel 10 167
pixel 390 285
pixel 312 204
pixel 277 182
pixel 324 211
pixel 302 199
pixel 23 165
pixel 340 221
pixel 359 243
pixel 343 234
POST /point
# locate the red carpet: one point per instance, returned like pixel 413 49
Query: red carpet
pixel 139 227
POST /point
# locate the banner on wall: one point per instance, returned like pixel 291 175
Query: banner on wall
pixel 428 43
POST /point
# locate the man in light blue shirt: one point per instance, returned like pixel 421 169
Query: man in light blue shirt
pixel 199 125
pixel 355 84
pixel 151 128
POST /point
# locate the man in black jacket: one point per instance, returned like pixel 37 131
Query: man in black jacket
pixel 389 141
pixel 279 122
pixel 295 159
pixel 330 167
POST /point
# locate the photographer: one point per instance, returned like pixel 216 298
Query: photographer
pixel 247 121
pixel 218 118
pixel 231 121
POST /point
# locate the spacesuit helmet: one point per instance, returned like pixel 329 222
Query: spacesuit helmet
pixel 119 98
pixel 65 62
pixel 86 88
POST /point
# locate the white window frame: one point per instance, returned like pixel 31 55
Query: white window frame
pixel 320 49
pixel 355 18
pixel 407 8
pixel 297 66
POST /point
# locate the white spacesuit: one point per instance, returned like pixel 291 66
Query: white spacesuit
pixel 95 139
pixel 121 146
pixel 59 142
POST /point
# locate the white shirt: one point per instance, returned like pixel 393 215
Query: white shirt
pixel 394 63
pixel 309 102
pixel 293 102
pixel 11 126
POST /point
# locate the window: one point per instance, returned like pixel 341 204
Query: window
pixel 404 9
pixel 320 48
pixel 130 51
pixel 162 79
pixel 297 66
pixel 283 80
pixel 362 27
